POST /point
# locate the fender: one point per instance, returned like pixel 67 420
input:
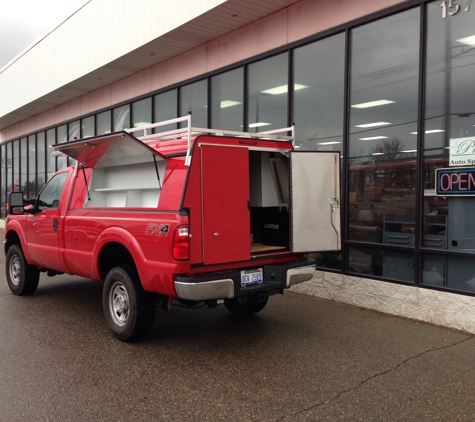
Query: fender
pixel 123 237
pixel 16 227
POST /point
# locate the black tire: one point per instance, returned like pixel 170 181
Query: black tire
pixel 22 277
pixel 245 309
pixel 129 310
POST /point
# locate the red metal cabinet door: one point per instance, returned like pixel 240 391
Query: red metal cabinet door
pixel 225 199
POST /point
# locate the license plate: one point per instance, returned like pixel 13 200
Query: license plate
pixel 251 277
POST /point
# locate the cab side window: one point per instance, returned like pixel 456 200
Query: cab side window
pixel 49 196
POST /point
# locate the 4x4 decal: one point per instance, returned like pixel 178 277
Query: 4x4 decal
pixel 154 229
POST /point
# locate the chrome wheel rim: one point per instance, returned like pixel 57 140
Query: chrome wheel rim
pixel 15 270
pixel 119 305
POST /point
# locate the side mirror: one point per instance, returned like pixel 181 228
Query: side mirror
pixel 15 203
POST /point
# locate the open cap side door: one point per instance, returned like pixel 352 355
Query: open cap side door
pixel 315 200
pixel 113 149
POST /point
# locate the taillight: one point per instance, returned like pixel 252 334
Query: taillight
pixel 181 244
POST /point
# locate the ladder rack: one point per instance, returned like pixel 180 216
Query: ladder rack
pixel 190 132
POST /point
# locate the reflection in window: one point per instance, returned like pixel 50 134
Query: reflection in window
pixel 3 179
pixel 9 159
pixel 121 117
pixel 103 122
pixel 227 103
pixel 449 120
pixel 141 114
pixel 40 160
pixel 50 159
pixel 165 108
pixel 30 192
pixel 87 126
pixel 364 260
pixel 382 138
pixel 194 99
pixel 61 136
pixel 23 182
pixel 16 166
pixel 74 130
pixel 319 72
pixel 51 194
pixel 454 272
pixel 267 94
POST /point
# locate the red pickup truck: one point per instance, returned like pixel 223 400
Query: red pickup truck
pixel 190 215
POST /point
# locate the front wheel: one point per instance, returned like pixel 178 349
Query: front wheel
pixel 248 308
pixel 129 310
pixel 22 277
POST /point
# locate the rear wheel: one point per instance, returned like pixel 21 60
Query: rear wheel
pixel 22 277
pixel 129 310
pixel 250 307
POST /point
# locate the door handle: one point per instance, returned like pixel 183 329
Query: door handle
pixel 55 225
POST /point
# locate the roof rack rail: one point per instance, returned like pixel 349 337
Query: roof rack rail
pixel 190 132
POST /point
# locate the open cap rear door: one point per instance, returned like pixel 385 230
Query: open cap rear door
pixel 315 200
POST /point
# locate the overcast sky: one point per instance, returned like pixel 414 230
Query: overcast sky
pixel 22 22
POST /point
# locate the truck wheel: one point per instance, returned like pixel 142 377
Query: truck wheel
pixel 22 277
pixel 245 309
pixel 129 310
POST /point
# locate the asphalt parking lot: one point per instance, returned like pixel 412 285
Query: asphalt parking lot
pixel 300 359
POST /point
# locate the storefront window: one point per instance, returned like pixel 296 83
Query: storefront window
pixel 103 122
pixel 121 117
pixel 318 105
pixel 267 94
pixel 165 107
pixel 9 159
pixel 40 157
pixel 319 72
pixel 30 190
pixel 23 181
pixel 61 136
pixel 194 99
pixel 74 130
pixel 87 126
pixel 16 166
pixel 3 178
pixel 50 159
pixel 382 132
pixel 141 114
pixel 227 102
pixel 449 140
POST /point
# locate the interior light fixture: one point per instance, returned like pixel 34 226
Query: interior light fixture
pixel 373 104
pixel 372 138
pixel 430 131
pixel 329 143
pixel 283 89
pixel 410 150
pixel 229 103
pixel 378 153
pixel 468 40
pixel 374 124
pixel 259 124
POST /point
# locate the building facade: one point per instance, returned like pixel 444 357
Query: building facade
pixel 388 83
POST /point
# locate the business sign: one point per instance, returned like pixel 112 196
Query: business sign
pixel 462 152
pixel 455 182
